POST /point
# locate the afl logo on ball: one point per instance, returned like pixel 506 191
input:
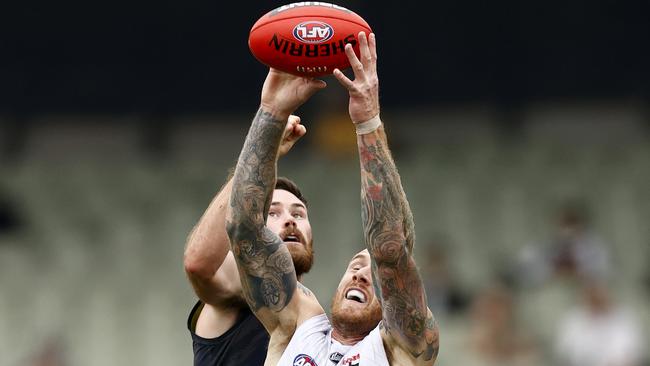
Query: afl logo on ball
pixel 313 32
pixel 304 360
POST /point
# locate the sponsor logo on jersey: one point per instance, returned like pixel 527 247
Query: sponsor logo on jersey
pixel 351 361
pixel 313 32
pixel 335 357
pixel 304 360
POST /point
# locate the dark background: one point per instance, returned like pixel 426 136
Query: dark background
pixel 192 56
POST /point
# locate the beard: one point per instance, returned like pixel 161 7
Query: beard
pixel 354 321
pixel 302 256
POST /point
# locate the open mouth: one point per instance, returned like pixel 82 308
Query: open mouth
pixel 291 238
pixel 291 235
pixel 356 295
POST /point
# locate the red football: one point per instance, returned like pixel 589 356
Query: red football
pixel 306 38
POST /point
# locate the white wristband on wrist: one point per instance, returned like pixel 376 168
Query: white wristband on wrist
pixel 368 126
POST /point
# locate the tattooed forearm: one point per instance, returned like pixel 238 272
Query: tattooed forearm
pixel 265 266
pixel 431 338
pixel 389 235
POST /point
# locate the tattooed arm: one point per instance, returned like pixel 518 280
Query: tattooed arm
pixel 408 327
pixel 266 271
pixel 389 235
pixel 208 262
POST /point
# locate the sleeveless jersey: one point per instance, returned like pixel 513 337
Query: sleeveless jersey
pixel 245 343
pixel 312 345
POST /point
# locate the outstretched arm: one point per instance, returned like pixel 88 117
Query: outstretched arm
pixel 265 267
pixel 389 235
pixel 208 262
pixel 408 327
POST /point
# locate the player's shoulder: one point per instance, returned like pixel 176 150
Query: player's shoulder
pixel 309 305
pixel 305 290
pixel 307 296
pixel 209 321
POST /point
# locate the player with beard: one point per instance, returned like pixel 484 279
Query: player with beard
pixel 377 322
pixel 223 329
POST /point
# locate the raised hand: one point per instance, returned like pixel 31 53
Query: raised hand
pixel 283 93
pixel 293 131
pixel 364 90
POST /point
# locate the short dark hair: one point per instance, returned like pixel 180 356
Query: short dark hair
pixel 283 183
pixel 291 187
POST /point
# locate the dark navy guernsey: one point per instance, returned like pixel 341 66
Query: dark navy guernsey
pixel 245 344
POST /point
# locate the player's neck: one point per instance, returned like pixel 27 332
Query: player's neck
pixel 347 339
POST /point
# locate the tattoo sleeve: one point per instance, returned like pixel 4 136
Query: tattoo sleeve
pixel 266 270
pixel 389 234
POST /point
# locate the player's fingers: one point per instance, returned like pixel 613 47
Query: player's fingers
pixel 288 128
pixel 372 45
pixel 311 88
pixel 300 131
pixel 357 66
pixel 295 130
pixel 347 83
pixel 317 84
pixel 372 63
pixel 364 50
pixel 293 120
pixel 321 84
pixel 293 134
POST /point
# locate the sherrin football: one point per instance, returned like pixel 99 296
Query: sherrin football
pixel 306 38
